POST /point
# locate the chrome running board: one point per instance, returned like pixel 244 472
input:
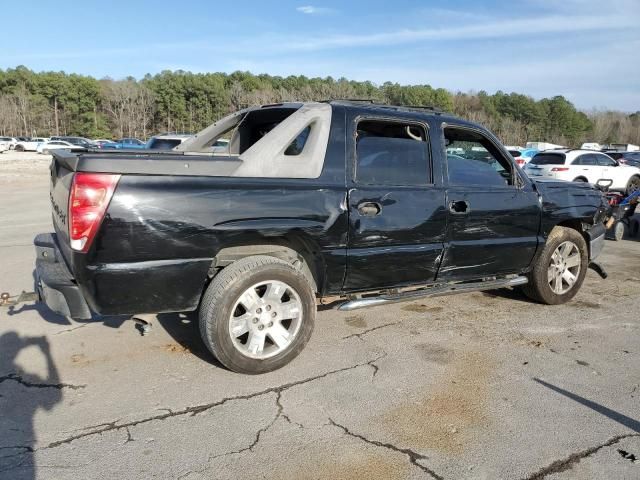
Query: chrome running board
pixel 434 291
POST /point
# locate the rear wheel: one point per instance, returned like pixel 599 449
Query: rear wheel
pixel 257 314
pixel 560 269
pixel 633 185
pixel 19 148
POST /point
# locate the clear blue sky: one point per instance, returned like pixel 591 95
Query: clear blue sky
pixel 586 50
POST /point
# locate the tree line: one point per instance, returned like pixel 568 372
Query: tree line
pixel 57 103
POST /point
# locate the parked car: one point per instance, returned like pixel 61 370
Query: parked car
pixel 313 200
pixel 31 145
pixel 11 141
pixel 628 158
pixel 47 147
pixel 79 141
pixel 525 156
pixel 584 166
pixel 167 141
pixel 4 146
pixel 125 143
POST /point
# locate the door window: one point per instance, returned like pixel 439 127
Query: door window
pixel 392 153
pixel 605 161
pixel 474 160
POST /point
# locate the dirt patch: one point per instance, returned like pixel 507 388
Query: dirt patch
pixel 175 348
pixel 585 304
pixel 356 321
pixel 421 308
pixel 444 417
pixel 354 464
pixel 80 359
pixel 434 353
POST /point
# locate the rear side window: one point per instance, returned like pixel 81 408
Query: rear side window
pixel 605 161
pixel 163 143
pixel 585 160
pixel 548 159
pixel 392 153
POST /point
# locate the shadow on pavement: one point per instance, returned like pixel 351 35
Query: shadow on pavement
pixel 184 329
pixel 607 412
pixel 22 394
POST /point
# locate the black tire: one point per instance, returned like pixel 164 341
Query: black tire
pixel 633 185
pixel 19 148
pixel 224 291
pixel 580 179
pixel 538 287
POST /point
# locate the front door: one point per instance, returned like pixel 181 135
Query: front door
pixel 396 210
pixel 493 212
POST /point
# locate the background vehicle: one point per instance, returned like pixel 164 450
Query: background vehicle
pixel 131 143
pixel 31 145
pixel 79 141
pixel 584 166
pixel 167 141
pixel 627 158
pixel 312 200
pixel 11 141
pixel 525 156
pixel 47 147
pixel 4 146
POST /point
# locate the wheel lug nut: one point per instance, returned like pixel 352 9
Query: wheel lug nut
pixel 259 310
pixel 268 307
pixel 255 320
pixel 270 324
pixel 273 315
pixel 260 327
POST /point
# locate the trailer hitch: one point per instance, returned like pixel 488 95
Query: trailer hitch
pixel 7 300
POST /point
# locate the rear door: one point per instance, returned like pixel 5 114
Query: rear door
pixel 586 166
pixel 493 211
pixel 396 205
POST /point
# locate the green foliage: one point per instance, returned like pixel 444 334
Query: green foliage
pixel 50 103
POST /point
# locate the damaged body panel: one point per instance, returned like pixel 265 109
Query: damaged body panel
pixel 357 197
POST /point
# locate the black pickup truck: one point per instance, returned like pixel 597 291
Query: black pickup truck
pixel 371 203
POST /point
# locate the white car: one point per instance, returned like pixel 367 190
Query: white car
pixel 46 147
pixel 11 141
pixel 31 145
pixel 584 166
pixel 4 146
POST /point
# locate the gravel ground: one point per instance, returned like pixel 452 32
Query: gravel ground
pixel 475 386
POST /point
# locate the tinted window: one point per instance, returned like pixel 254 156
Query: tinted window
pixel 585 160
pixel 615 155
pixel 392 153
pixel 163 143
pixel 548 159
pixel 605 161
pixel 298 144
pixel 474 160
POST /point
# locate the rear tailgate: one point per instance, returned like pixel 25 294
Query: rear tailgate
pixel 62 169
pixel 544 163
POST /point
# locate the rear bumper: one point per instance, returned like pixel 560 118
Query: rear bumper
pixel 55 283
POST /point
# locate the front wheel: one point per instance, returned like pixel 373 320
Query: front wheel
pixel 19 148
pixel 257 314
pixel 633 185
pixel 560 269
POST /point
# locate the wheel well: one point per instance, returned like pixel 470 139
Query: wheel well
pixel 578 225
pixel 295 251
pixel 581 178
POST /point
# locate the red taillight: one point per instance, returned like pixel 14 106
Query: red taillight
pixel 559 169
pixel 520 161
pixel 88 201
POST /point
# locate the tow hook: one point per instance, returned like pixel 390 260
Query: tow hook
pixel 7 300
pixel 599 269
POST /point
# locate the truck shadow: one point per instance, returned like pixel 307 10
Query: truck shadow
pixel 184 329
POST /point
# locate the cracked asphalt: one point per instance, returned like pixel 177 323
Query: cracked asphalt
pixel 475 386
